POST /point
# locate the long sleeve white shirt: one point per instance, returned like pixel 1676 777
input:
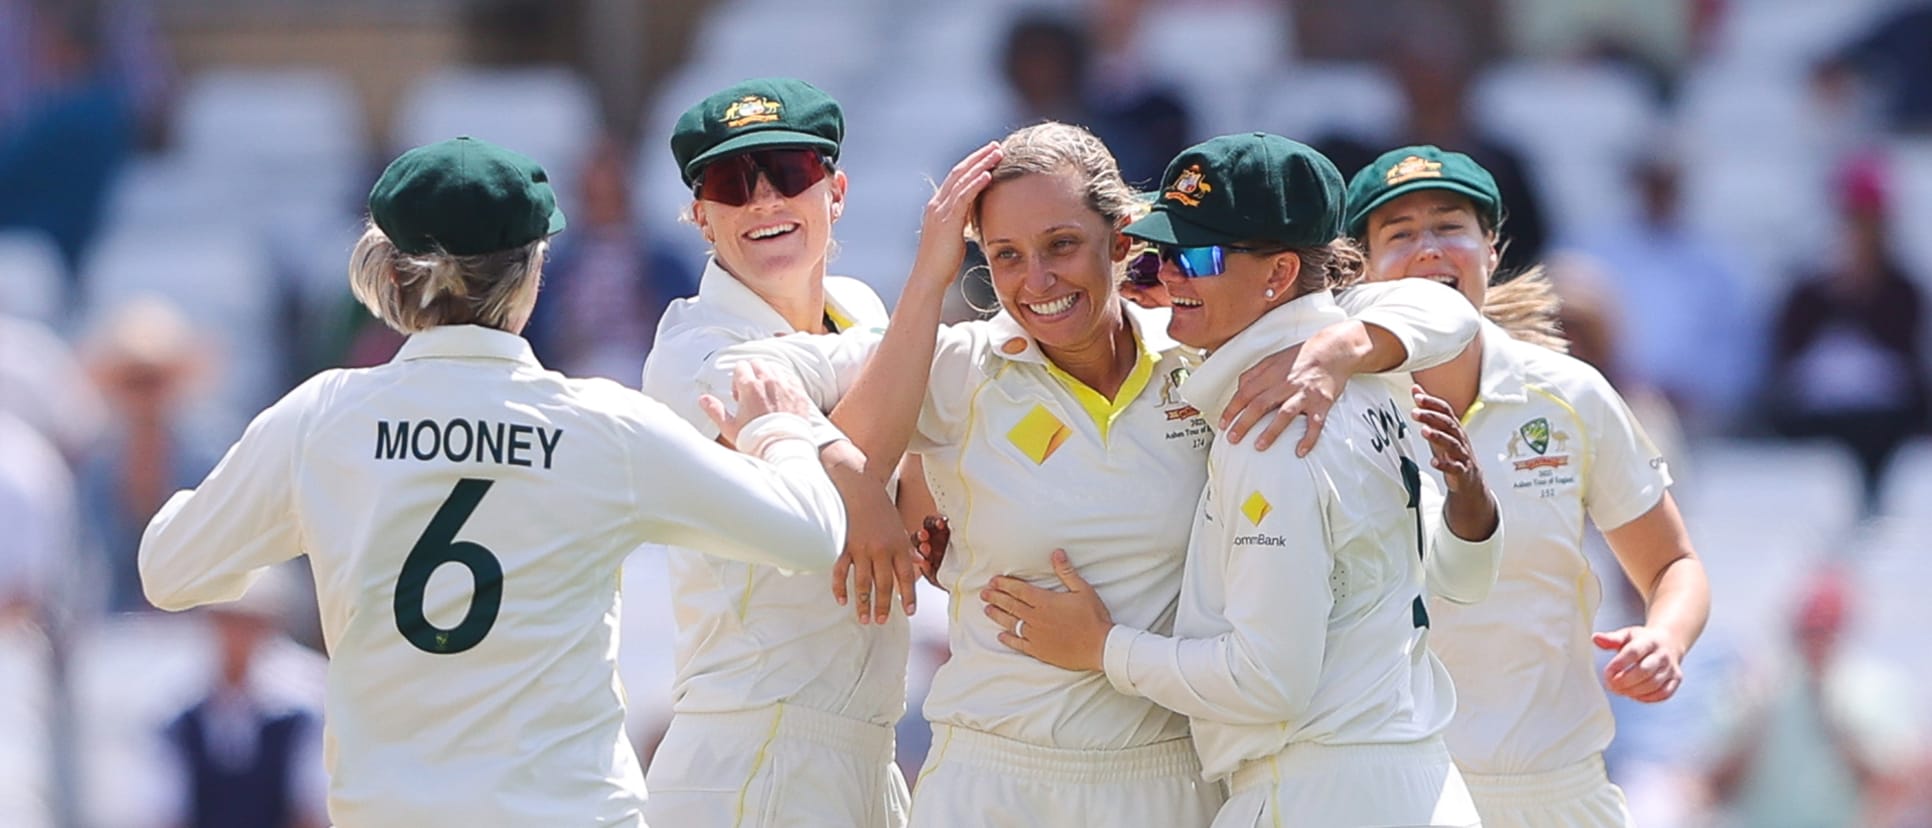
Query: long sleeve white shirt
pixel 751 635
pixel 1024 459
pixel 465 512
pixel 1301 614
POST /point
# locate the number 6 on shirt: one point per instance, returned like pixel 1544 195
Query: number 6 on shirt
pixel 437 546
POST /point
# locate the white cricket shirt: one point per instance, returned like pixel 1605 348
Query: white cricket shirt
pixel 1300 616
pixel 1556 443
pixel 1024 459
pixel 465 512
pixel 750 636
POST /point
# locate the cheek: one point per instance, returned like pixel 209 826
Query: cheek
pixel 1386 261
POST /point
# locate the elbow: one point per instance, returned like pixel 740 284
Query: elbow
pixel 164 592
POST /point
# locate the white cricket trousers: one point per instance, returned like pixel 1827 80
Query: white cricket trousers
pixel 1577 796
pixel 1350 786
pixel 780 766
pixel 974 779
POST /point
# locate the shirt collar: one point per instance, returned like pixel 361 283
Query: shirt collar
pixel 1502 372
pixel 721 290
pixel 467 342
pixel 1211 385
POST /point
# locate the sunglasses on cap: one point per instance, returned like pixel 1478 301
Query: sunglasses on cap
pixel 1194 262
pixel 732 180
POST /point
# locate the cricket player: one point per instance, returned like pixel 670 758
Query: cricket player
pixel 784 701
pixel 1299 647
pixel 1059 423
pixel 465 511
pixel 1559 446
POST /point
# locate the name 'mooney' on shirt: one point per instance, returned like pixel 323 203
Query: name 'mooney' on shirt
pixel 466 441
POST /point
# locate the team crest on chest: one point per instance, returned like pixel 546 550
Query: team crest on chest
pixel 1189 187
pixel 1175 407
pixel 751 109
pixel 1530 446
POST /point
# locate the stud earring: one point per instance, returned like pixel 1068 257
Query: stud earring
pixel 1269 293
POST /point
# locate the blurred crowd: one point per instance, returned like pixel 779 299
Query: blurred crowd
pixel 1731 195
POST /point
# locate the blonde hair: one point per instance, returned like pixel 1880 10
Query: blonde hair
pixel 1051 147
pixel 1332 266
pixel 1527 308
pixel 412 293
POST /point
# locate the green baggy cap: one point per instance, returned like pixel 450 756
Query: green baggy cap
pixel 761 113
pixel 465 196
pixel 1405 170
pixel 1249 187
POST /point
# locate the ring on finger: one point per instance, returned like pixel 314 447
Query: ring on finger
pixel 1019 630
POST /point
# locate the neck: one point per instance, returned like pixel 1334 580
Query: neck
pixel 1457 381
pixel 800 300
pixel 1104 363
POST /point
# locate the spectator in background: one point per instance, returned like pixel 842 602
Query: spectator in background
pixel 1431 60
pixel 1687 297
pixel 1825 742
pixel 146 360
pixel 607 283
pixel 42 383
pixel 1893 57
pixel 1848 360
pixel 37 511
pixel 134 53
pixel 249 754
pixel 1050 66
pixel 60 156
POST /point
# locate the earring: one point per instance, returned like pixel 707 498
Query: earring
pixel 1269 293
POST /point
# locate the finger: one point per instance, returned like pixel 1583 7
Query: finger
pixel 1246 388
pixel 1437 420
pixel 1017 643
pixel 839 572
pixel 1316 421
pixel 1426 400
pixel 908 567
pixel 715 409
pixel 1069 577
pixel 1245 417
pixel 1004 600
pixel 1626 659
pixel 1006 620
pixel 1610 640
pixel 884 583
pixel 862 592
pixel 1446 445
pixel 1026 593
pixel 1663 694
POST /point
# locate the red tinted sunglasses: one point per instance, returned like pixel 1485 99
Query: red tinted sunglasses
pixel 731 180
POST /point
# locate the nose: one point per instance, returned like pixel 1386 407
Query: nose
pixel 1038 277
pixel 1171 274
pixel 763 194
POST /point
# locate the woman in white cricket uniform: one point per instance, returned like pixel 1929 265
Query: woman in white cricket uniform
pixel 465 512
pixel 1058 423
pixel 784 701
pixel 1299 647
pixel 1559 445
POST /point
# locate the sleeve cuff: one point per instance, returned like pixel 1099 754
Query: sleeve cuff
pixel 758 436
pixel 1118 655
pixel 1397 326
pixel 823 432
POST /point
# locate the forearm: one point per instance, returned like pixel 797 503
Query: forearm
pixel 879 412
pixel 1680 602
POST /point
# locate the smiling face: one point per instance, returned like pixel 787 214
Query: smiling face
pixel 1210 310
pixel 1435 235
pixel 772 238
pixel 1052 259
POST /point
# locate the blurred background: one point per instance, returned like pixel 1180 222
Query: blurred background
pixel 1734 197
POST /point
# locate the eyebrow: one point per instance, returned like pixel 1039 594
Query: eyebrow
pixel 1433 211
pixel 1050 230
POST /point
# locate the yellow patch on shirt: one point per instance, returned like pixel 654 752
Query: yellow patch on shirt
pixel 1039 434
pixel 1256 507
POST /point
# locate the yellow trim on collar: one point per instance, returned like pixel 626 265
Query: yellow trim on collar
pixel 839 320
pixel 1105 411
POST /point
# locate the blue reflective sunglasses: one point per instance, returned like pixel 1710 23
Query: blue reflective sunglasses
pixel 1194 262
